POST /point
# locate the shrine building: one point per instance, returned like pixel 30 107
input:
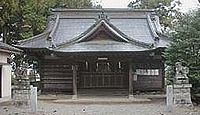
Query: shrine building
pixel 119 49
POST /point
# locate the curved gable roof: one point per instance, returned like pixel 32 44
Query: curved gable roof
pixel 102 36
pixel 70 26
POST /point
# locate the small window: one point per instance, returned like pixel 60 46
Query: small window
pixel 147 71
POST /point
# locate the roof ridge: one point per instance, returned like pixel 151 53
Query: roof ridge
pixel 54 27
pixel 154 33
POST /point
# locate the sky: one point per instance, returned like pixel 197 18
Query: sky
pixel 186 4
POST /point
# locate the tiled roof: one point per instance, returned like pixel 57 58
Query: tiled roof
pixel 67 26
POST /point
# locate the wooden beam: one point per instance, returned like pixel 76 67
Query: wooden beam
pixel 130 81
pixel 74 68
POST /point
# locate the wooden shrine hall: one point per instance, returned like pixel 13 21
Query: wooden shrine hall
pixel 99 49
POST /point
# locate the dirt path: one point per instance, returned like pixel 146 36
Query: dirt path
pixel 51 108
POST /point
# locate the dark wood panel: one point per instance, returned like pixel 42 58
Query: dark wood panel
pixel 103 80
pixel 56 77
pixel 150 82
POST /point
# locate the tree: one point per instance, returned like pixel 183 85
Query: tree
pixel 166 10
pixel 21 19
pixel 8 20
pixel 185 48
pixel 36 12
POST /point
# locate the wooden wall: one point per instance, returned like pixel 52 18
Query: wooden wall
pixel 148 82
pixel 103 80
pixel 56 76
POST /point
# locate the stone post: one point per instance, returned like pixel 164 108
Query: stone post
pixel 169 98
pixel 74 68
pixel 130 81
pixel 33 98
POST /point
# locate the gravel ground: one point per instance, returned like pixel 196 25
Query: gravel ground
pixel 51 108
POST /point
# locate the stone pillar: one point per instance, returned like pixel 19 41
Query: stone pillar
pixel 130 81
pixel 74 68
pixel 169 98
pixel 33 98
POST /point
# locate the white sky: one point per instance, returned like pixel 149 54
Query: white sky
pixel 186 4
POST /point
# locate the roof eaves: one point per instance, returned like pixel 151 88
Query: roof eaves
pixel 9 49
pixel 39 36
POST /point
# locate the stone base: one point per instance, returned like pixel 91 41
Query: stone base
pixel 182 94
pixel 130 96
pixel 74 97
pixel 21 97
pixel 5 99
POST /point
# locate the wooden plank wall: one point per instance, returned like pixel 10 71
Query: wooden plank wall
pixel 103 80
pixel 149 82
pixel 56 77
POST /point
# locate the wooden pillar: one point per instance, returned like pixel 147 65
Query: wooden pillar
pixel 163 75
pixel 130 81
pixel 41 72
pixel 74 68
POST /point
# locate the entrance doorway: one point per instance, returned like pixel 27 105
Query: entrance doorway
pixel 102 74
